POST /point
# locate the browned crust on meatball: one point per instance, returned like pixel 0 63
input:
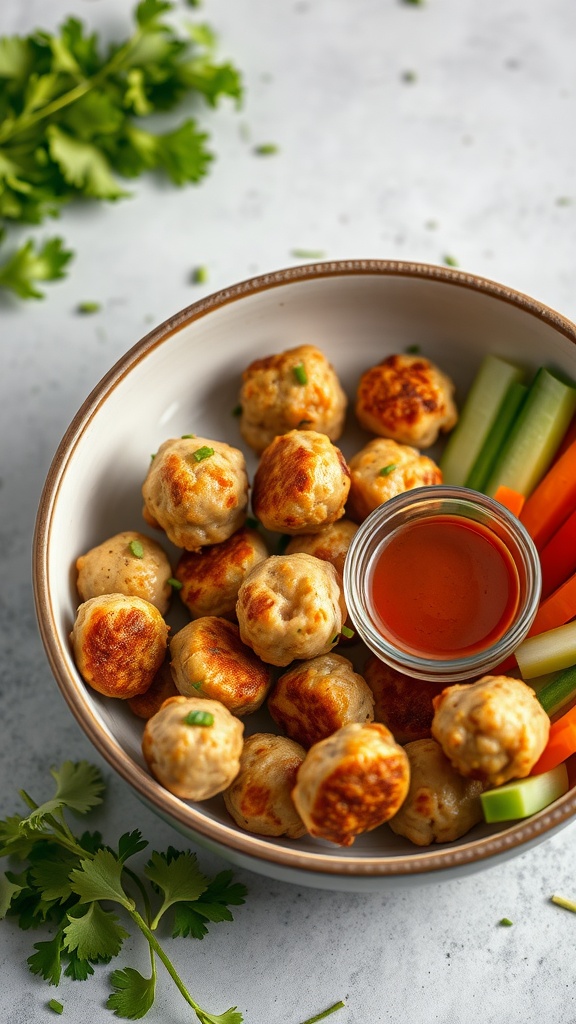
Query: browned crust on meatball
pixel 211 577
pixel 144 705
pixel 404 394
pixel 402 703
pixel 259 799
pixel 120 645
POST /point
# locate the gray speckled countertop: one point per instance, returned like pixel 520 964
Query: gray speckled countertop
pixel 404 131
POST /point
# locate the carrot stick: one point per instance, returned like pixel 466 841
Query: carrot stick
pixel 512 500
pixel 558 556
pixel 561 743
pixel 553 499
pixel 554 611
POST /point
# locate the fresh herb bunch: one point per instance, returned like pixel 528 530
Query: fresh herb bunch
pixel 72 119
pixel 66 883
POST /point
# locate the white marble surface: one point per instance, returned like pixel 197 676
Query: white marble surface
pixel 475 158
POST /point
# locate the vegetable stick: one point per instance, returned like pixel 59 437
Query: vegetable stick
pixel 561 743
pixel 523 797
pixel 556 609
pixel 569 437
pixel 553 500
pixel 558 556
pixel 512 500
pixel 535 436
pixel 477 416
pixel 499 431
pixel 547 652
pixel 558 692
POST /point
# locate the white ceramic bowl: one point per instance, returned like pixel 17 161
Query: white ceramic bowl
pixel 184 377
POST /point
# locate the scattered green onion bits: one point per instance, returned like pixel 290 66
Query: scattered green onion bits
pixel 56 1006
pixel 300 374
pixel 347 632
pixel 88 307
pixel 387 469
pixel 204 718
pixel 186 437
pixel 136 549
pixel 203 453
pixel 174 583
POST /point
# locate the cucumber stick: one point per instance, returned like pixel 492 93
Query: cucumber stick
pixel 500 430
pixel 525 796
pixel 535 435
pixel 477 416
pixel 559 692
pixel 547 652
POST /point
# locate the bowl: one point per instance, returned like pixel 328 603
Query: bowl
pixel 184 377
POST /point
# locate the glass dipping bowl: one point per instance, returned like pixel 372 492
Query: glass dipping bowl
pixel 426 503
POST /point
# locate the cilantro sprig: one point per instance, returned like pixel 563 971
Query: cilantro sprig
pixel 67 884
pixel 73 122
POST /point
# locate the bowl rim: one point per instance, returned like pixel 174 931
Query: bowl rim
pixel 189 816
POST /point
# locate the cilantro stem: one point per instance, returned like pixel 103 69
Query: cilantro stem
pixel 562 901
pixel 326 1013
pixel 155 945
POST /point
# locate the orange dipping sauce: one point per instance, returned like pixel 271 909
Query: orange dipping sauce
pixel 444 587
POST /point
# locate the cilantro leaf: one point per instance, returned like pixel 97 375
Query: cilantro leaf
pixel 8 890
pixel 134 994
pixel 77 969
pixel 130 843
pixel 178 876
pixel 231 1016
pixel 212 905
pixel 27 266
pixel 94 935
pixel 100 879
pixel 79 787
pixel 83 165
pixel 46 960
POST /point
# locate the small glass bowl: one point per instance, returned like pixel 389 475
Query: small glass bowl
pixel 429 502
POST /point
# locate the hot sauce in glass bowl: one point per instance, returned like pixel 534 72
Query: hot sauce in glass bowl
pixel 442 582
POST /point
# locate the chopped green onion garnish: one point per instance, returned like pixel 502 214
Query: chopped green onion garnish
pixel 266 149
pixel 175 583
pixel 300 373
pixel 197 686
pixel 409 76
pixel 387 469
pixel 561 901
pixel 200 275
pixel 237 410
pixel 55 1006
pixel 347 632
pixel 450 261
pixel 506 922
pixel 308 254
pixel 153 456
pixel 413 350
pixel 203 453
pixel 199 717
pixel 88 307
pixel 136 549
pixel 335 639
pixel 185 437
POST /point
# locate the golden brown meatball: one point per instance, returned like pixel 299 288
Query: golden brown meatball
pixel 144 705
pixel 119 644
pixel 315 698
pixel 196 490
pixel 259 798
pixel 493 730
pixel 210 660
pixel 290 606
pixel 407 398
pixel 128 563
pixel 351 782
pixel 401 702
pixel 296 389
pixel 301 483
pixel 211 577
pixel 441 805
pixel 192 747
pixel 383 469
pixel 331 543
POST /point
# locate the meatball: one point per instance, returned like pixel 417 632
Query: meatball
pixel 128 563
pixel 296 389
pixel 351 782
pixel 196 491
pixel 301 483
pixel 259 798
pixel 493 730
pixel 211 577
pixel 383 469
pixel 315 698
pixel 144 705
pixel 407 398
pixel 119 644
pixel 441 805
pixel 290 606
pixel 192 746
pixel 401 702
pixel 331 543
pixel 210 660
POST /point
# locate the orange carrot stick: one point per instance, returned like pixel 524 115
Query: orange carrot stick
pixel 558 556
pixel 512 500
pixel 561 743
pixel 553 500
pixel 554 611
